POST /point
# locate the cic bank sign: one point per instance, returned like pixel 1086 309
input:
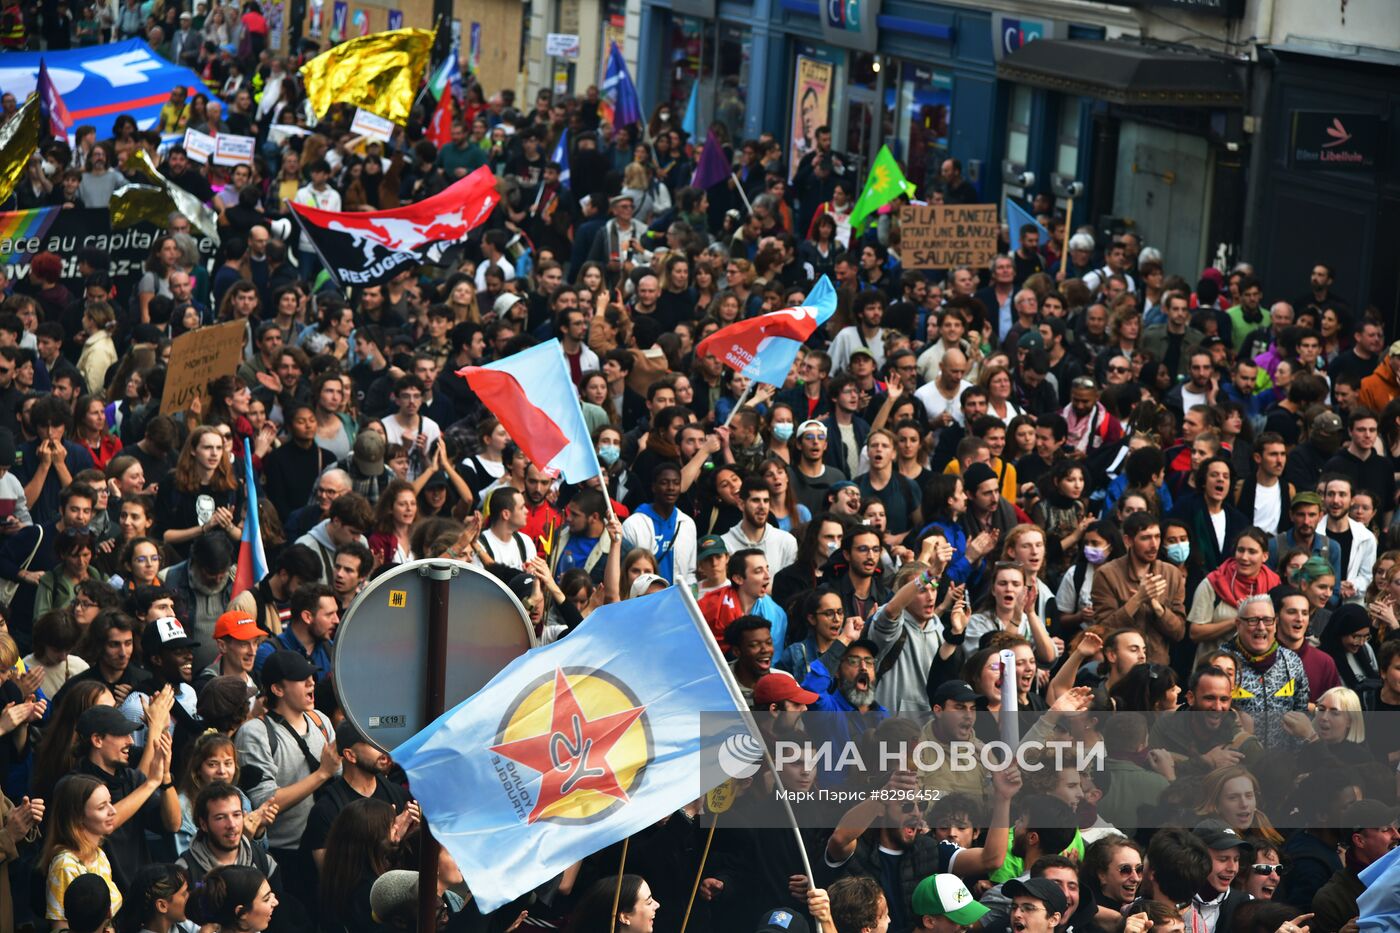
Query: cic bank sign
pixel 1010 33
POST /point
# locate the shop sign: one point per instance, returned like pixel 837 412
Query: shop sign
pixel 1232 9
pixel 1011 33
pixel 851 23
pixel 1339 142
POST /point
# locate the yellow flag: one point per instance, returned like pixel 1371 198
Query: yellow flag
pixel 143 203
pixel 380 72
pixel 19 139
pixel 132 204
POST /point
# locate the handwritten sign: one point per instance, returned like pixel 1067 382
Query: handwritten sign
pixel 371 126
pixel 199 146
pixel 196 358
pixel 946 236
pixel 234 150
pixel 561 45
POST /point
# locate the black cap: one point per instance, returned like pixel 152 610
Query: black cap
pixel 954 691
pixel 286 665
pixel 1042 889
pixel 1368 814
pixel 865 643
pixel 437 480
pixel 1222 838
pixel 104 720
pixel 782 920
pixel 87 903
pixel 347 734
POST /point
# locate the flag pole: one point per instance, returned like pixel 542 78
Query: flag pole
pixel 699 872
pixel 740 188
pixel 743 398
pixel 1064 247
pixel 727 676
pixel 330 269
pixel 617 892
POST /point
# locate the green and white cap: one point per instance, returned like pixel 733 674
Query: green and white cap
pixel 946 896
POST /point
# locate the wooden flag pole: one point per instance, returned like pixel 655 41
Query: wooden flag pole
pixel 699 872
pixel 617 892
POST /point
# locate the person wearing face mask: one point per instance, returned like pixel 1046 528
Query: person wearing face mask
pixel 1103 541
pixel 821 538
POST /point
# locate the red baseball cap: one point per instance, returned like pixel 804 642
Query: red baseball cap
pixel 779 686
pixel 237 624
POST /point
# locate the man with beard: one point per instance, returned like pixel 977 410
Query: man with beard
pixel 314 619
pixel 954 704
pixel 222 840
pixel 1044 825
pixel 542 518
pixel 144 802
pixel 363 774
pixel 784 701
pixel 1209 736
pixel 852 690
pixel 1140 591
pixel 854 573
pixel 1215 903
pixel 1090 425
pixel 169 655
pixel 880 852
pixel 1357 543
pixel 1372 834
pixel 753 532
pixel 1305 511
pixel 812 476
pixel 1270 677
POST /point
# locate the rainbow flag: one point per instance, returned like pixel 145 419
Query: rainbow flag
pixel 252 559
pixel 19 227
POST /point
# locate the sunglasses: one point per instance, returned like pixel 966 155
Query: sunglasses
pixel 1126 870
pixel 1264 870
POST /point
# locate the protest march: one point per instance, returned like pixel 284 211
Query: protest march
pixel 851 544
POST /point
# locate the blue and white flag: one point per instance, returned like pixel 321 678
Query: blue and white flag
pixel 1379 904
pixel 1018 217
pixel 619 93
pixel 575 746
pixel 561 155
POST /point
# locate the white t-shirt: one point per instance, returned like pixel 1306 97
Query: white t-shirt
pixel 1268 506
pixel 1217 522
pixel 935 404
pixel 507 552
pixel 503 264
pixel 395 431
pixel 1189 398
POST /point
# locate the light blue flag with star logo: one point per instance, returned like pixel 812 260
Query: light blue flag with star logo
pixel 575 745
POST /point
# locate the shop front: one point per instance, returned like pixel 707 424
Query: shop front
pixel 1164 128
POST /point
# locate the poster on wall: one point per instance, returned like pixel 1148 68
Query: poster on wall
pixel 811 105
pixel 339 14
pixel 318 10
pixel 474 50
pixel 360 21
pixel 275 14
pixel 395 19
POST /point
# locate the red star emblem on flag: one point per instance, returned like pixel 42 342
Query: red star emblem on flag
pixel 572 755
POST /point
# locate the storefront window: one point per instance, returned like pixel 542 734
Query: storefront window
pixel 692 59
pixel 860 94
pixel 1067 138
pixel 735 51
pixel 921 119
pixel 1018 125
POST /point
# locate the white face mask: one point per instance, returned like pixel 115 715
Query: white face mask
pixel 48 168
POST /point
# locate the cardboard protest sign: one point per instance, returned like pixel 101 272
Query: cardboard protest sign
pixel 198 357
pixel 944 236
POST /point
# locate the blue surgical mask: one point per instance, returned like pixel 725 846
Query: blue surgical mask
pixel 608 453
pixel 1094 555
pixel 1178 551
pixel 783 430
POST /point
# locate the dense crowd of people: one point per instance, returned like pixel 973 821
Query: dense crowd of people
pixel 1167 493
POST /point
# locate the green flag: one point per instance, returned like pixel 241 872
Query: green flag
pixel 886 182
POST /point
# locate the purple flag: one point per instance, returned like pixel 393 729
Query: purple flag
pixel 713 167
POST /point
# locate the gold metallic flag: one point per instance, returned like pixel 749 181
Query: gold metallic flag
pixel 19 139
pixel 381 73
pixel 132 204
pixel 140 204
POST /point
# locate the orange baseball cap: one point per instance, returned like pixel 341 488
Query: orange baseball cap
pixel 237 624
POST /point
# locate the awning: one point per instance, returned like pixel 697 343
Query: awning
pixel 1128 71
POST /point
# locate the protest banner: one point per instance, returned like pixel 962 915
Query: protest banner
pixel 198 356
pixel 79 228
pixel 234 150
pixel 199 146
pixel 944 236
pixel 371 126
pixel 811 104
